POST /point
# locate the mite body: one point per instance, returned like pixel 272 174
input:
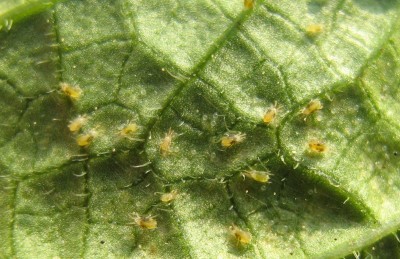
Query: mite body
pixel 232 139
pixel 76 124
pixel 148 222
pixel 248 4
pixel 168 197
pixel 259 176
pixel 317 147
pixel 165 146
pixel 242 237
pixel 85 140
pixel 270 114
pixel 73 92
pixel 312 106
pixel 313 30
pixel 128 130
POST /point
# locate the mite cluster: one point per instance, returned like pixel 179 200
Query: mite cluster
pixel 76 125
pixel 85 136
pixel 314 146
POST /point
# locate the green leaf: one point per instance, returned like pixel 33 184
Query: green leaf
pixel 188 73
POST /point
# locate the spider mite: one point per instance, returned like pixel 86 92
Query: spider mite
pixel 128 130
pixel 86 139
pixel 76 124
pixel 259 176
pixel 145 222
pixel 168 197
pixel 313 30
pixel 248 4
pixel 242 237
pixel 317 147
pixel 270 114
pixel 232 139
pixel 165 146
pixel 73 92
pixel 313 106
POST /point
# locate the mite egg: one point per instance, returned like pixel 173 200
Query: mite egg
pixel 248 4
pixel 312 106
pixel 313 30
pixel 231 139
pixel 73 92
pixel 148 222
pixel 84 140
pixel 317 147
pixel 165 146
pixel 76 124
pixel 168 197
pixel 259 176
pixel 242 237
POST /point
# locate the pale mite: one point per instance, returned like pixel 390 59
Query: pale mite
pixel 270 115
pixel 76 124
pixel 259 176
pixel 168 197
pixel 317 146
pixel 232 139
pixel 242 237
pixel 145 222
pixel 165 146
pixel 312 106
pixel 313 30
pixel 73 92
pixel 129 129
pixel 248 4
pixel 86 139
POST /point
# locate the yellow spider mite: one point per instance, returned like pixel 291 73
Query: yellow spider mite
pixel 241 236
pixel 148 222
pixel 165 146
pixel 86 139
pixel 270 114
pixel 129 129
pixel 317 147
pixel 231 139
pixel 248 4
pixel 259 176
pixel 168 197
pixel 76 124
pixel 313 30
pixel 312 106
pixel 73 92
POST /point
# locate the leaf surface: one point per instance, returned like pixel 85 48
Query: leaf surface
pixel 188 73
